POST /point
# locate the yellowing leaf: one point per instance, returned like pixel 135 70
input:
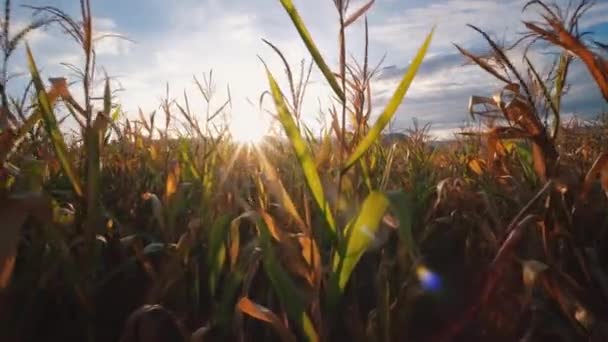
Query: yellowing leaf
pixel 262 313
pixel 360 235
pixel 302 151
pixel 312 48
pixel 172 181
pixel 45 105
pixel 476 166
pixel 389 111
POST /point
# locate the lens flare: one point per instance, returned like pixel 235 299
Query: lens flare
pixel 429 280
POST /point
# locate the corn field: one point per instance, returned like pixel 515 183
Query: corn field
pixel 129 231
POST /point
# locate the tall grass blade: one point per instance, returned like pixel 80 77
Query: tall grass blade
pixel 50 123
pixel 385 117
pixel 312 48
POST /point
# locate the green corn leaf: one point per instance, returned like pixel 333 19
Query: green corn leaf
pixel 304 155
pixel 389 111
pixel 560 82
pixel 216 256
pixel 312 48
pixel 359 237
pixel 403 205
pixel 107 98
pixel 366 174
pixel 94 136
pixel 93 180
pixel 186 159
pixel 115 114
pixel 50 123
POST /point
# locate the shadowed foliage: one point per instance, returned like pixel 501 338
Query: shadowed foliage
pixel 131 231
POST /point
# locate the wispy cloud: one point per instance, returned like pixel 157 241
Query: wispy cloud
pixel 173 42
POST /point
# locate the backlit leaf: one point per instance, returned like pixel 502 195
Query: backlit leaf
pixel 312 48
pixel 389 111
pixel 50 122
pixel 360 236
pixel 302 152
pixel 216 256
pixel 262 313
pixel 358 13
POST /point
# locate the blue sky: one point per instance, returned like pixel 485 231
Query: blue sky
pixel 176 40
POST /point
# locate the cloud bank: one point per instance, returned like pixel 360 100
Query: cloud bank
pixel 175 41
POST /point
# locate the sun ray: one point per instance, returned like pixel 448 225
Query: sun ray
pixel 249 128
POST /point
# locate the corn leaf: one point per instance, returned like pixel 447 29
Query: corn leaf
pixel 312 48
pixel 284 286
pixel 276 188
pixel 389 111
pixel 358 13
pixel 234 243
pixel 50 123
pixel 359 237
pixel 402 205
pixel 259 312
pixel 304 155
pixel 93 179
pixel 548 97
pixel 216 255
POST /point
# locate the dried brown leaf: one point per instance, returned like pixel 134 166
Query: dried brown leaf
pixel 539 158
pixel 558 35
pixel 358 13
pixel 172 181
pixel 259 312
pixel 278 234
pixel 483 64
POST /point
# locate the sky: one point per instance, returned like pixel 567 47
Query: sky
pixel 170 42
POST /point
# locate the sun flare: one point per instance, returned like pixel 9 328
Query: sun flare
pixel 249 128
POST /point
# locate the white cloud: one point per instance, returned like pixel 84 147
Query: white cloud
pixel 226 37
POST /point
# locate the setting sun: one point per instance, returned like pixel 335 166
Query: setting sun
pixel 249 128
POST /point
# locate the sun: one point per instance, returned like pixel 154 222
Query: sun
pixel 249 128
